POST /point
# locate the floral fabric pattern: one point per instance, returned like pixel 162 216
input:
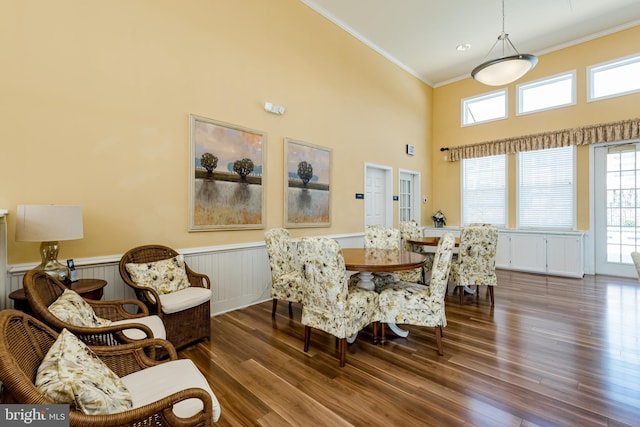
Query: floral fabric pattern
pixel 410 230
pixel 415 304
pixel 71 373
pixel 329 302
pixel 165 277
pixel 71 308
pixel 380 237
pixel 476 261
pixel 286 275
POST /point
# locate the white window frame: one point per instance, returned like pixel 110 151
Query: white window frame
pixel 520 196
pixel 522 88
pixel 465 220
pixel 483 97
pixel 593 70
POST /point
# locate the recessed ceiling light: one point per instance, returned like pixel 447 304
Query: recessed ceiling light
pixel 462 47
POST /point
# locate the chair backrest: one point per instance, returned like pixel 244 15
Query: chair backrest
pixel 381 237
pixel 477 255
pixel 326 286
pixel 24 341
pixel 282 252
pixel 635 256
pixel 442 265
pixel 409 230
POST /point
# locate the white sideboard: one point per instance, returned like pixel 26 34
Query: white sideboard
pixel 546 252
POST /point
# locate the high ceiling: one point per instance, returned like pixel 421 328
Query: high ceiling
pixel 421 35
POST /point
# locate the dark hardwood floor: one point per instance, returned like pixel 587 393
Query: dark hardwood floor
pixel 553 352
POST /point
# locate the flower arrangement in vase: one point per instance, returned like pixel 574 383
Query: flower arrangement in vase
pixel 439 219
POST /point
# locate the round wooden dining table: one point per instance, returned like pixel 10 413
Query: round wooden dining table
pixel 368 261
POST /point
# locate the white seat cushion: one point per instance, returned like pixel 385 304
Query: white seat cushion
pixel 154 383
pixel 183 299
pixel 153 322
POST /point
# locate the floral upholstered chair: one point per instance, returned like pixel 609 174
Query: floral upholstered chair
pixel 475 264
pixel 286 276
pixel 414 304
pixel 635 256
pixel 380 237
pixel 410 230
pixel 329 302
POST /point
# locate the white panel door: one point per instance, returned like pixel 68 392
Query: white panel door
pixel 377 196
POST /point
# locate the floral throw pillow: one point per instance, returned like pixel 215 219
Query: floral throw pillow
pixel 165 277
pixel 71 308
pixel 71 373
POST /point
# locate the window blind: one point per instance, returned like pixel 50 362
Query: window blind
pixel 484 190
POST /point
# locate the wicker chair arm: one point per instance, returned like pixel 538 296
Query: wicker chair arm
pixel 132 357
pixel 198 279
pixel 115 310
pixel 144 414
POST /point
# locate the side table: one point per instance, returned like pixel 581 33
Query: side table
pixel 86 288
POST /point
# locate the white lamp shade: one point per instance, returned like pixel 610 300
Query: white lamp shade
pixel 48 223
pixel 505 70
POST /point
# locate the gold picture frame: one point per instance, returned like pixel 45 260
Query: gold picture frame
pixel 232 196
pixel 307 185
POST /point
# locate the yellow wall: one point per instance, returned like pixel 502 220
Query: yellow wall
pixel 447 131
pixel 96 97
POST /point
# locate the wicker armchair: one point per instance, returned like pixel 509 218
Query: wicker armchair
pixel 24 342
pixel 185 326
pixel 42 290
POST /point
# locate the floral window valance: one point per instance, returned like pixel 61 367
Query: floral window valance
pixel 608 132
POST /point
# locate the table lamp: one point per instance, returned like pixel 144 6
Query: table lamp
pixel 49 224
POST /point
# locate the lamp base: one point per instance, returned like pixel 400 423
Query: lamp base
pixel 50 263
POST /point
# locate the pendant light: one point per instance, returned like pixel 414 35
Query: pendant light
pixel 508 67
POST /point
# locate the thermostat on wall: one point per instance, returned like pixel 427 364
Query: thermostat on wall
pixel 411 149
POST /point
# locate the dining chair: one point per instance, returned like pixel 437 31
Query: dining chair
pixel 475 263
pixel 410 230
pixel 635 256
pixel 286 276
pixel 184 307
pixel 381 237
pixel 415 304
pixel 93 322
pixel 329 302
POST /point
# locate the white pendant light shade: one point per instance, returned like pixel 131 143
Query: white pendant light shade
pixel 508 67
pixel 504 70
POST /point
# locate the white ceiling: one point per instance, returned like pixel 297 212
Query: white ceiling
pixel 421 35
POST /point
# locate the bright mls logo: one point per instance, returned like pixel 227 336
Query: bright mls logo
pixel 34 415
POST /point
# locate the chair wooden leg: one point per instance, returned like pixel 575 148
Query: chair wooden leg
pixel 307 337
pixel 439 340
pixel 383 339
pixel 461 294
pixel 375 332
pixel 290 309
pixel 491 294
pixel 342 349
pixel 274 305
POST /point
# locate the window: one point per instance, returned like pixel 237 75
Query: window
pixel 615 78
pixel 484 108
pixel 546 189
pixel 545 94
pixel 484 190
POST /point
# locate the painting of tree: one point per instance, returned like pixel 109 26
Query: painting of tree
pixel 231 198
pixel 308 185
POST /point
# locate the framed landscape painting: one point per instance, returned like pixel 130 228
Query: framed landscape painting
pixel 225 176
pixel 307 185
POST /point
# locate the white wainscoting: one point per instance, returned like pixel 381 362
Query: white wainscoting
pixel 240 274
